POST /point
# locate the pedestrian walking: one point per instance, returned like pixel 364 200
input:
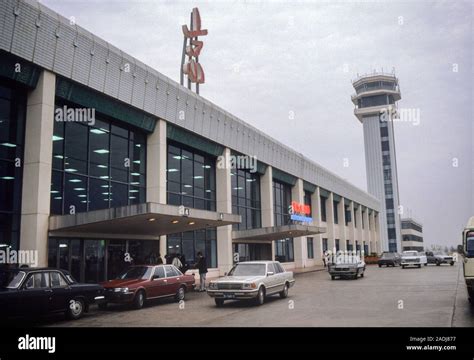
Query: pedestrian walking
pixel 202 267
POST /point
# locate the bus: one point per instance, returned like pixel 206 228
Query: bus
pixel 467 250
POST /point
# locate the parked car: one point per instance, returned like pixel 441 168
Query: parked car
pixel 140 283
pixel 252 280
pixel 413 258
pixel 439 258
pixel 347 266
pixel 39 291
pixel 389 259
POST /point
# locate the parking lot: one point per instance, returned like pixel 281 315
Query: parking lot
pixel 430 296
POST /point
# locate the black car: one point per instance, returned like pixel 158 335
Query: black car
pixel 40 291
pixel 389 259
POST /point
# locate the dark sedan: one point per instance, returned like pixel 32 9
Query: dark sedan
pixel 40 291
pixel 389 259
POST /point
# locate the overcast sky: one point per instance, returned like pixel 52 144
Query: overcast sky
pixel 286 67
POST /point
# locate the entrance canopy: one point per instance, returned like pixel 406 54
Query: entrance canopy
pixel 277 232
pixel 147 220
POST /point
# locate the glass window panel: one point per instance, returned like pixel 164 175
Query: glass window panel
pixel 75 148
pixel 98 194
pixel 119 194
pixel 75 188
pixel 57 192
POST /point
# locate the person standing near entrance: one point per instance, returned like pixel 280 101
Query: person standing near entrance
pixel 176 262
pixel 202 267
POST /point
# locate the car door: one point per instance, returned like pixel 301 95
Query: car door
pixel 271 281
pixel 173 283
pixel 158 283
pixel 61 292
pixel 281 275
pixel 35 294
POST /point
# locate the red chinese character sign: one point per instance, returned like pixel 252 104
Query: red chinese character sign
pixel 192 49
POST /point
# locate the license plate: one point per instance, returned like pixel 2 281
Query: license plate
pixel 229 296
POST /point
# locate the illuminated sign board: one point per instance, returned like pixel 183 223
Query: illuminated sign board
pixel 300 212
pixel 192 47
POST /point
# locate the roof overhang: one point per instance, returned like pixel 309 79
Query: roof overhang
pixel 277 232
pixel 148 219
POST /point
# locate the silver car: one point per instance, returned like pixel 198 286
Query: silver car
pixel 351 267
pixel 252 280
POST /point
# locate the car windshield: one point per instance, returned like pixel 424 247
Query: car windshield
pixel 388 256
pixel 410 253
pixel 248 270
pixel 11 279
pixel 136 272
pixel 346 260
pixel 470 244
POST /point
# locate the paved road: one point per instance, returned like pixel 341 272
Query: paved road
pixel 430 296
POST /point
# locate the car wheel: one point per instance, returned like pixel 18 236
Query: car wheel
pixel 139 300
pixel 438 263
pixel 452 263
pixel 380 266
pixel 362 273
pixel 284 292
pixel 333 277
pixel 181 294
pixel 102 306
pixel 426 264
pixel 219 302
pixel 76 309
pixel 260 299
pixel 419 266
pixel 403 266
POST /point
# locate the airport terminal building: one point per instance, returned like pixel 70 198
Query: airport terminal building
pixel 105 161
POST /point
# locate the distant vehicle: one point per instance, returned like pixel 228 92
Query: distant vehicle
pixel 467 251
pixel 40 291
pixel 253 280
pixel 389 259
pixel 347 266
pixel 439 258
pixel 413 258
pixel 140 283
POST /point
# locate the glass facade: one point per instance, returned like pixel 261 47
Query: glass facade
pixel 191 178
pixel 12 133
pixel 97 260
pixel 281 203
pixel 246 199
pixel 96 167
pixel 250 252
pixel 284 250
pixel 189 243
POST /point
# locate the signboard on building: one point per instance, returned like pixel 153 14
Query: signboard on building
pixel 192 47
pixel 300 212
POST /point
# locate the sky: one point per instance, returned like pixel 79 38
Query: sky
pixel 286 67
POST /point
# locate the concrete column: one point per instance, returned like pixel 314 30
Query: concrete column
pixel 330 221
pixel 358 231
pixel 376 233
pixel 316 215
pixel 266 193
pixel 224 204
pixel 157 154
pixel 37 167
pixel 366 233
pixel 343 234
pixel 156 164
pixel 299 243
